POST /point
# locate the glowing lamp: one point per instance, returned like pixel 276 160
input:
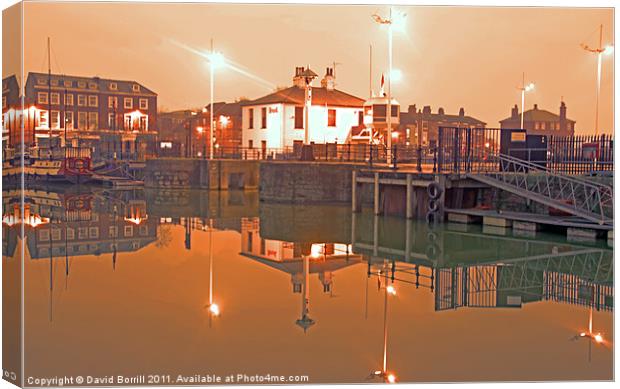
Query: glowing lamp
pixel 224 120
pixel 487 145
pixel 608 50
pixel 391 290
pixel 396 75
pixel 214 309
pixel 315 251
pixel 199 129
pixel 529 87
pixel 598 338
pixel 216 59
pixel 391 378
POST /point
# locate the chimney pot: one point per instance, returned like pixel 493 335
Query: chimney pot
pixel 462 111
pixel 535 106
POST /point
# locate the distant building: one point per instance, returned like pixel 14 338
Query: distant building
pixel 541 122
pixel 228 125
pixel 277 119
pixel 91 107
pixel 10 99
pixel 421 127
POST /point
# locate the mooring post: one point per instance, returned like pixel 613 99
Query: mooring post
pixel 354 191
pixel 376 196
pixel 409 205
pixel 408 240
pixel 375 236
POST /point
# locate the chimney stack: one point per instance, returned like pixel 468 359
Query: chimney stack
pixel 515 112
pixel 329 81
pixel 298 79
pixel 440 111
pixel 412 109
pixel 563 121
pixel 426 110
pixel 535 106
pixel 462 112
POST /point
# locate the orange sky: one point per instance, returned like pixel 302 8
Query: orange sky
pixel 450 57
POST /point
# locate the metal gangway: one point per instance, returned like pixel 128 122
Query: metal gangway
pixel 570 194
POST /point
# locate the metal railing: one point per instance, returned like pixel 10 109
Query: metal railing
pixel 576 196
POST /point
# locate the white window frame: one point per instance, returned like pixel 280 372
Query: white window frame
pixel 135 88
pixel 55 98
pixel 4 102
pixel 69 119
pixel 67 84
pixel 68 99
pixel 55 119
pixel 112 101
pixel 144 103
pixel 93 101
pixel 82 114
pixel 93 120
pixel 42 98
pixel 43 119
pixel 113 86
pixel 111 120
pixel 128 100
pixel 82 101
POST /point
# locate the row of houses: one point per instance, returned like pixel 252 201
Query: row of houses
pixel 121 117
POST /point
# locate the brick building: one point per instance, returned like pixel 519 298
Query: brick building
pixel 541 122
pixel 118 118
pixel 10 100
pixel 421 126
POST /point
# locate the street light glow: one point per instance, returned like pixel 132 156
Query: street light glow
pixel 598 338
pixel 391 378
pixel 216 59
pixel 396 75
pixel 608 50
pixel 214 309
pixel 529 87
pixel 391 290
pixel 399 20
pixel 199 129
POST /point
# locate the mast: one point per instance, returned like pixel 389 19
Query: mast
pixel 49 91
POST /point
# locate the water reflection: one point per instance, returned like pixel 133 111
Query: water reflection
pixel 375 291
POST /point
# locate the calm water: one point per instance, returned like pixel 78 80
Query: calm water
pixel 124 287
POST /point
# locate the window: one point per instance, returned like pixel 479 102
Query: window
pixel 82 232
pixel 3 102
pixel 67 84
pixel 111 122
pixel 135 88
pixel 144 230
pixel 92 85
pixel 165 145
pixel 70 233
pixel 43 119
pixel 42 98
pixel 93 101
pixel 82 116
pixel 251 118
pixel 81 100
pixel 93 120
pixel 54 83
pixel 44 235
pixel 144 104
pixel 263 117
pixel 299 117
pixel 55 98
pixel 394 109
pixel 331 118
pixel 144 123
pixel 93 232
pixel 41 81
pixel 55 119
pixel 81 84
pixel 113 86
pixel 112 102
pixel 128 231
pixel 69 119
pixel 68 99
pixel 251 143
pixel 55 234
pixel 128 103
pixel 113 232
pixel 379 112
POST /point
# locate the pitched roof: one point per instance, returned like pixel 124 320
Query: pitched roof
pixel 410 118
pixel 536 115
pixel 320 96
pixel 123 86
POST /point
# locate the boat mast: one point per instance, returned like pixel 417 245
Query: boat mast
pixel 49 91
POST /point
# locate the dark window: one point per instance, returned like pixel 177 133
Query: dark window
pixel 299 117
pixel 360 118
pixel 251 143
pixel 251 119
pixel 263 117
pixel 394 109
pixel 331 118
pixel 378 112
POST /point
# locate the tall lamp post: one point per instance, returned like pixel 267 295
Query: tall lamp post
pixel 391 21
pixel 524 88
pixel 600 50
pixel 216 59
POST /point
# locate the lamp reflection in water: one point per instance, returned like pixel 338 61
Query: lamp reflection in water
pixel 305 321
pixel 212 307
pixel 590 334
pixel 389 290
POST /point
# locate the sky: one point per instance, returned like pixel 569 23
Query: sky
pixel 449 57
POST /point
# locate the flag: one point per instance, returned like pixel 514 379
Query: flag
pixel 382 84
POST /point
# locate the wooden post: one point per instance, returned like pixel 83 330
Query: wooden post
pixel 408 240
pixel 354 191
pixel 409 205
pixel 376 196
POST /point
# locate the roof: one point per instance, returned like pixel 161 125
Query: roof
pixel 536 115
pixel 123 86
pixel 410 118
pixel 320 96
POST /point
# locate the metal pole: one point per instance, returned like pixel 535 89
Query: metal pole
pixel 389 94
pixel 385 327
pixel 522 99
pixel 211 107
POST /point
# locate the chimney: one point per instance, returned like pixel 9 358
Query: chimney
pixel 426 110
pixel 440 111
pixel 535 106
pixel 462 112
pixel 412 109
pixel 515 112
pixel 328 82
pixel 298 80
pixel 563 121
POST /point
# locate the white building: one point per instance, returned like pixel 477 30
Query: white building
pixel 277 120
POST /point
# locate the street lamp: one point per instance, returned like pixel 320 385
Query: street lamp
pixel 599 52
pixel 524 88
pixel 394 20
pixel 214 309
pixel 216 59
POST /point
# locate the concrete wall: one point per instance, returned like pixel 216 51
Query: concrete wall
pixel 305 182
pixel 183 173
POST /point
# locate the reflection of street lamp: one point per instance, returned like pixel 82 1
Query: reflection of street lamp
pixel 397 20
pixel 599 52
pixel 594 338
pixel 384 374
pixel 305 321
pixel 524 88
pixel 214 309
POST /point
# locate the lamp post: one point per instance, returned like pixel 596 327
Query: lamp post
pixel 391 21
pixel 384 374
pixel 524 88
pixel 600 50
pixel 215 60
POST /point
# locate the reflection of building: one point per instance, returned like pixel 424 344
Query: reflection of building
pixel 541 122
pixel 421 126
pixel 114 115
pixel 277 120
pixel 10 106
pixel 300 260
